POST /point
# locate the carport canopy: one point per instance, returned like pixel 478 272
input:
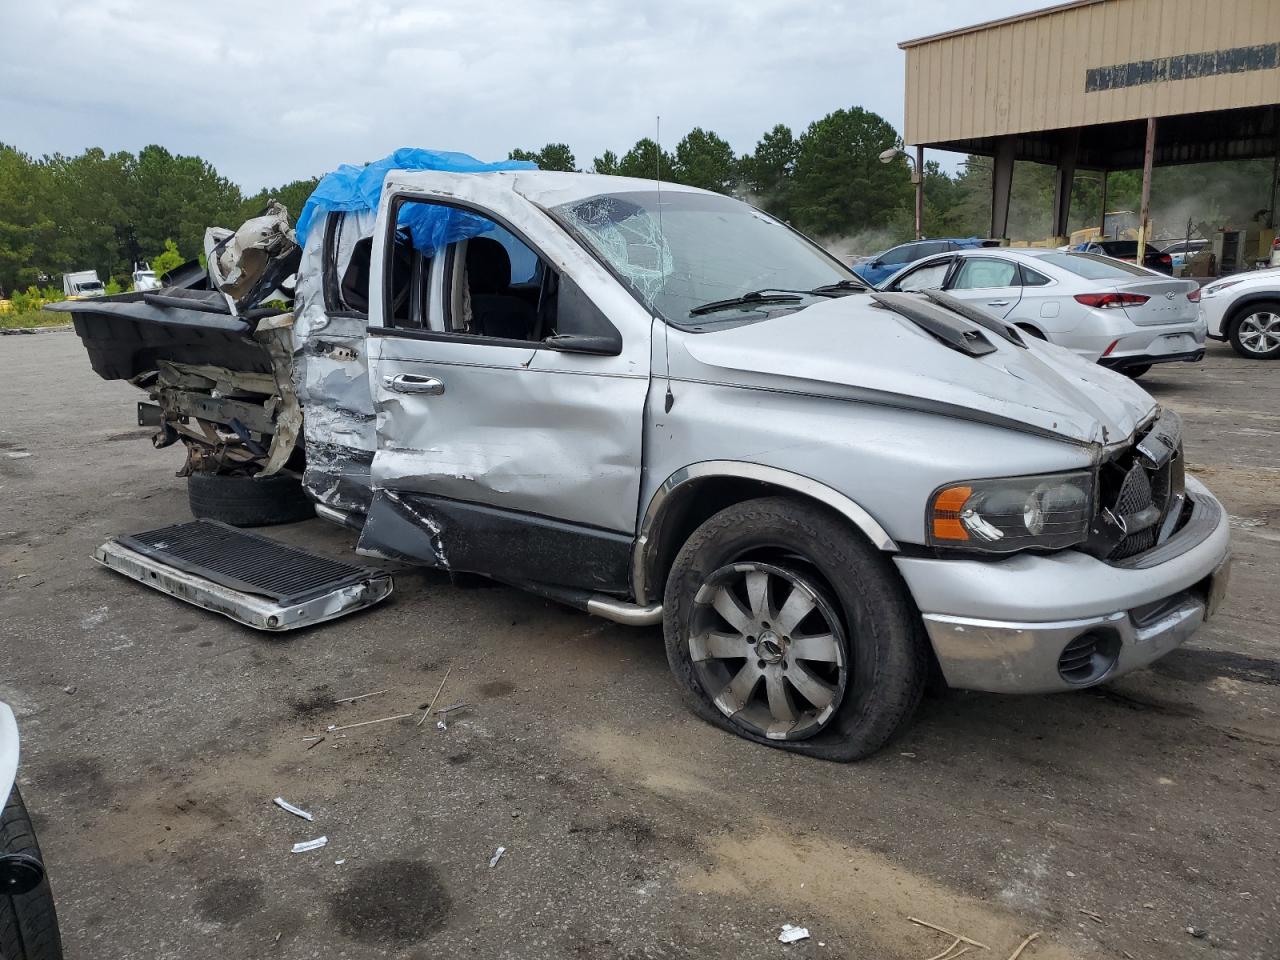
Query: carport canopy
pixel 1101 85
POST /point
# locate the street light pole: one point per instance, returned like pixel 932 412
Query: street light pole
pixel 916 164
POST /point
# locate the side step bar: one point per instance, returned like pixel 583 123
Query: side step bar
pixel 254 580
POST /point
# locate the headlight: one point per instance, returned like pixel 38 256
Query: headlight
pixel 1213 289
pixel 1050 511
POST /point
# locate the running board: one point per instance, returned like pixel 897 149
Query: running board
pixel 254 580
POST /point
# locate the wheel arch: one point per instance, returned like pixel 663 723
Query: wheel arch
pixel 694 493
pixel 1031 328
pixel 1240 307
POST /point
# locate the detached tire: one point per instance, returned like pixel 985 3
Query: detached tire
pixel 785 626
pixel 28 921
pixel 248 501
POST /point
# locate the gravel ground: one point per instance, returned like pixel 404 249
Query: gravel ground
pixel 155 737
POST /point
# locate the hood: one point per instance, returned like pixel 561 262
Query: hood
pixel 849 348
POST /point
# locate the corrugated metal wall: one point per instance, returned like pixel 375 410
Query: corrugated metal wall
pixel 1100 62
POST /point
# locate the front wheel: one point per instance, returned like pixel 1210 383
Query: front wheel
pixel 784 626
pixel 1256 334
pixel 28 921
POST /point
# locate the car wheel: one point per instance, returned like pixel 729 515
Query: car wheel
pixel 1135 371
pixel 1256 333
pixel 248 501
pixel 785 626
pixel 28 921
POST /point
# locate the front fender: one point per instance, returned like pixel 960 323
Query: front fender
pixel 651 532
pixel 8 752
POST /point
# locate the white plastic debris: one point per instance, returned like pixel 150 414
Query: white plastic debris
pixel 441 725
pixel 791 934
pixel 284 804
pixel 308 845
pixel 338 863
pixel 497 855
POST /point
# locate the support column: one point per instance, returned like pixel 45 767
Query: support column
pixel 1144 217
pixel 1001 185
pixel 1102 214
pixel 1068 151
pixel 919 172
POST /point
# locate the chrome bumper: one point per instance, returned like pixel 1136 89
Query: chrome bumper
pixel 1132 615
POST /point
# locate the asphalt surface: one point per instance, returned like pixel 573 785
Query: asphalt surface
pixel 155 737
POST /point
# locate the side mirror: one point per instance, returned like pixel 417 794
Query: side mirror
pixel 603 346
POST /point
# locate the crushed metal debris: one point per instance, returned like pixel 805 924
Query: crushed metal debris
pixel 284 804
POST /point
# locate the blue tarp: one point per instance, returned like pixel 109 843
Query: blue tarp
pixel 360 188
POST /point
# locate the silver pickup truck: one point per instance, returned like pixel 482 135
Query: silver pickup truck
pixel 661 405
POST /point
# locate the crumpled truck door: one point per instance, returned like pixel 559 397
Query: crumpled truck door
pixel 500 456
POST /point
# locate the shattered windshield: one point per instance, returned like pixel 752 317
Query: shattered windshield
pixel 693 249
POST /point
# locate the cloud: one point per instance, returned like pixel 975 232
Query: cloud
pixel 272 90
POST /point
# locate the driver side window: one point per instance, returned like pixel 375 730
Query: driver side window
pixel 451 271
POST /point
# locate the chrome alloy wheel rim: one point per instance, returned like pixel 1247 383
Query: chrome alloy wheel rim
pixel 768 650
pixel 1260 332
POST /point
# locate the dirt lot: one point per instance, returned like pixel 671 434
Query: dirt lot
pixel 155 737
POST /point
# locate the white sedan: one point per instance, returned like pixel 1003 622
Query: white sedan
pixel 1120 315
pixel 1244 309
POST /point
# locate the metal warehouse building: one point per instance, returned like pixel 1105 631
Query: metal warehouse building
pixel 1101 85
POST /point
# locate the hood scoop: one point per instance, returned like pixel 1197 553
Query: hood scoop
pixel 942 324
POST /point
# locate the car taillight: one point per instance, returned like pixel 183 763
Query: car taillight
pixel 1106 301
pixel 1194 295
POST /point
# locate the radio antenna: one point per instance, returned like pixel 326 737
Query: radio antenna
pixel 657 166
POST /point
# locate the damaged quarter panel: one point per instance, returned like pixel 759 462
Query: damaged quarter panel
pixel 551 440
pixel 331 371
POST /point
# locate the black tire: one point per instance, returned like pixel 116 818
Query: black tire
pixel 28 921
pixel 1135 371
pixel 1237 323
pixel 248 501
pixel 883 640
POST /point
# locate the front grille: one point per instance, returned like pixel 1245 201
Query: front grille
pixel 1137 492
pixel 244 561
pixel 1135 496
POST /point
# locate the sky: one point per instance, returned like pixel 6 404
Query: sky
pixel 275 90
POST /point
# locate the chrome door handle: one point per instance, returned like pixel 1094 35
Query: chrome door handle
pixel 997 303
pixel 413 383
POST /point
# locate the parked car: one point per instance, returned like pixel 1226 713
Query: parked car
pixel 28 920
pixel 1127 250
pixel 880 267
pixel 1106 311
pixel 1244 310
pixel 1180 251
pixel 684 414
pixel 82 283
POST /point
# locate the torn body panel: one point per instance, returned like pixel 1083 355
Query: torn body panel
pixel 503 544
pixel 331 373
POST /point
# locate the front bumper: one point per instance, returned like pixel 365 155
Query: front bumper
pixel 1004 626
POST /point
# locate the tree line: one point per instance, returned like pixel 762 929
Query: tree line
pixel 108 211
